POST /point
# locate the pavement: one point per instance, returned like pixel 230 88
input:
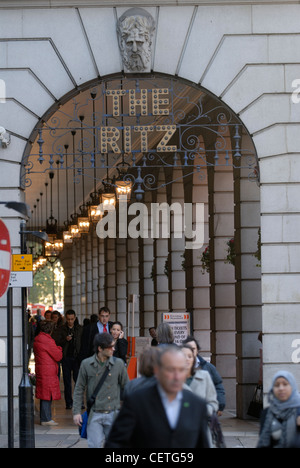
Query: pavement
pixel 237 433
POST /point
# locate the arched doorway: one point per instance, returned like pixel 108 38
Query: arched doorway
pixel 177 144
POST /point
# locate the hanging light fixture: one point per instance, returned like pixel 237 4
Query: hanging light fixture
pixel 108 197
pixel 83 221
pixel 95 214
pixel 67 236
pixel 123 184
pixel 73 227
pixel 55 245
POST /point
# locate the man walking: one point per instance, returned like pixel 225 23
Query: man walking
pixel 107 402
pixel 70 340
pixel 102 326
pixel 163 415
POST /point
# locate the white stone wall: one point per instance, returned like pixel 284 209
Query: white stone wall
pixel 247 53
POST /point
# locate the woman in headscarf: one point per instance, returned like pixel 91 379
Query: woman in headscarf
pixel 282 419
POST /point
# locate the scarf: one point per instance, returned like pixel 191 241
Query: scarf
pixel 281 416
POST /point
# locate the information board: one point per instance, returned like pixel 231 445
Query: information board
pixel 180 324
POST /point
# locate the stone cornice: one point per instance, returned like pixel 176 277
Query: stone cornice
pixel 13 4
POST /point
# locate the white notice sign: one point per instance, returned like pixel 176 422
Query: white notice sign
pixel 180 324
pixel 21 279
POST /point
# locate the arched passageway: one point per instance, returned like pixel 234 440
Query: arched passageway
pixel 176 144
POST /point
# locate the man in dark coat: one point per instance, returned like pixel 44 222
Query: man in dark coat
pixel 70 340
pixel 102 326
pixel 163 415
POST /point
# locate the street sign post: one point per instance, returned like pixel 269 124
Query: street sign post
pixel 21 271
pixel 5 258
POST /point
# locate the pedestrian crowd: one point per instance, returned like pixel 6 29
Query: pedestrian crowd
pixel 175 402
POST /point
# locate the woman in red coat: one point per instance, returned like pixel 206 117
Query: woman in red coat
pixel 47 356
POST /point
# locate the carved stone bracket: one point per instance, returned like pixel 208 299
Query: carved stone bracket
pixel 135 30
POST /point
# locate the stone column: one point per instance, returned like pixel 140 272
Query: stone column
pixel 89 275
pixel 161 285
pixel 146 260
pixel 248 286
pixel 67 263
pixel 111 276
pixel 133 281
pixel 177 246
pixel 95 272
pixel 121 286
pixel 200 286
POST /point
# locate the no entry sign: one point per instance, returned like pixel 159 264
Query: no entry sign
pixel 5 258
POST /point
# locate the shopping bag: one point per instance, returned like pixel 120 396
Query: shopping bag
pixel 256 405
pixel 83 427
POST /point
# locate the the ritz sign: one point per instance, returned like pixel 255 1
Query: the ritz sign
pixel 142 106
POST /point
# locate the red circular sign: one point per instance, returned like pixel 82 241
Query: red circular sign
pixel 5 258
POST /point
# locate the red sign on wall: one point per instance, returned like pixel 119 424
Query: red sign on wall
pixel 5 258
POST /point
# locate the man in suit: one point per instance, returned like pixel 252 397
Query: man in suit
pixel 102 326
pixel 163 415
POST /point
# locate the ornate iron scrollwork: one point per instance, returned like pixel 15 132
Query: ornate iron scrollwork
pixel 149 125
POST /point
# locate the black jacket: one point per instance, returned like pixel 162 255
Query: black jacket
pixel 93 332
pixel 121 348
pixel 142 423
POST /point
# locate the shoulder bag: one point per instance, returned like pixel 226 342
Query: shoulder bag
pixel 90 403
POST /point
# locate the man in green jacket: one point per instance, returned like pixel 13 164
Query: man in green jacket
pixel 108 399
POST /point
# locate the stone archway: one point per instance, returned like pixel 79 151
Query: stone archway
pixel 214 166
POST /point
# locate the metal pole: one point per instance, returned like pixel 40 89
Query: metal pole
pixel 10 370
pixel 26 407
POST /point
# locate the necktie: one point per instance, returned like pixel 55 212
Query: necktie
pixel 104 329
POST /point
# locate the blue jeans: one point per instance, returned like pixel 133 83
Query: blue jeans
pixel 45 410
pixel 99 427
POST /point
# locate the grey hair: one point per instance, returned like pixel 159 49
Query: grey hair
pixel 165 334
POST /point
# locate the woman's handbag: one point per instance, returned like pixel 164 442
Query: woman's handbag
pixel 85 416
pixel 256 405
pixel 216 432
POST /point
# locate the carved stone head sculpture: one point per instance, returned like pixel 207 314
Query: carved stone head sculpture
pixel 135 31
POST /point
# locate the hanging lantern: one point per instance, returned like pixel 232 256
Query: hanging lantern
pixel 108 199
pixel 74 231
pixel 54 247
pixel 67 237
pixel 73 227
pixel 123 189
pixel 95 214
pixel 123 184
pixel 83 222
